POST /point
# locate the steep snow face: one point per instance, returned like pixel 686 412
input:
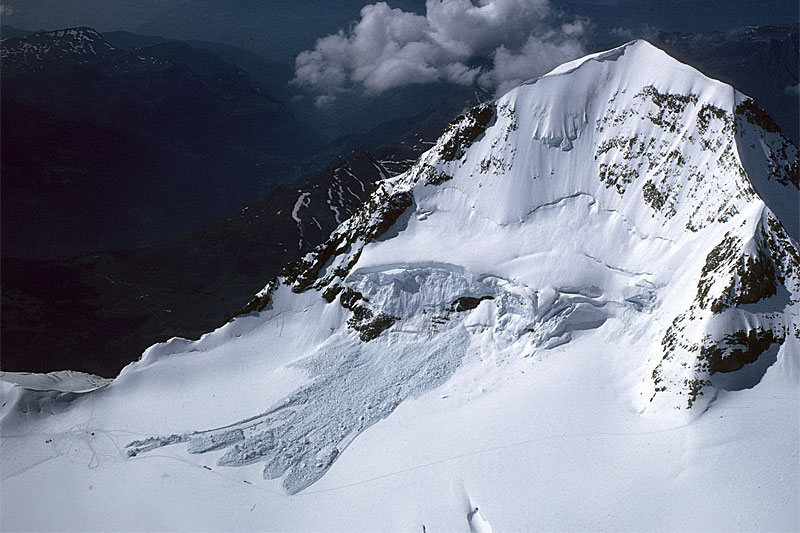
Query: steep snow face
pixel 624 176
pixel 606 236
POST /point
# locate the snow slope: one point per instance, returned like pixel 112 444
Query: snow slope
pixel 578 310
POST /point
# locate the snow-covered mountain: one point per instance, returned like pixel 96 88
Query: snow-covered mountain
pixel 577 310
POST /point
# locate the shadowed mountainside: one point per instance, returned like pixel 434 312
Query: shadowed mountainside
pixel 104 148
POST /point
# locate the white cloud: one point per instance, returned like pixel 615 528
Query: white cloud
pixel 537 56
pixel 5 10
pixel 390 48
pixel 645 31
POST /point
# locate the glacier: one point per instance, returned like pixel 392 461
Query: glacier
pixel 578 310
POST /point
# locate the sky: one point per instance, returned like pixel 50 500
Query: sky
pixel 343 46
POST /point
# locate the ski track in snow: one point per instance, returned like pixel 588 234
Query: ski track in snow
pixel 444 460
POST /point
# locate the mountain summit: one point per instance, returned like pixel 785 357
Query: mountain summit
pixel 567 301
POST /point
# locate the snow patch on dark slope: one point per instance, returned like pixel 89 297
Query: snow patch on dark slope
pixel 590 246
pixel 35 50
